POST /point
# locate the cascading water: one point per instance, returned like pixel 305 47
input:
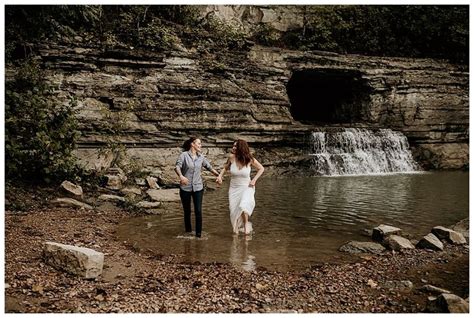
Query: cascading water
pixel 355 151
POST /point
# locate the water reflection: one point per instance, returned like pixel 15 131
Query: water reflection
pixel 239 253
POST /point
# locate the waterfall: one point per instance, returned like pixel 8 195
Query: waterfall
pixel 355 151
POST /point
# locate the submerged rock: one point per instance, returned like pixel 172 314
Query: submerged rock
pixel 164 195
pixel 355 247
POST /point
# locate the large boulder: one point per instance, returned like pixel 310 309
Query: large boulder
pixel 382 231
pixel 431 242
pixel 81 261
pixel 449 235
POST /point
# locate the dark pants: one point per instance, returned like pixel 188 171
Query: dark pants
pixel 186 201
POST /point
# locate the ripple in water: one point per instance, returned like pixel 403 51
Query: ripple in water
pixel 302 221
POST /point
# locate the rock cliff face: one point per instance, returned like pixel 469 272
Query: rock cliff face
pixel 272 98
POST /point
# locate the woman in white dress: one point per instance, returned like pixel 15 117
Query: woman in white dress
pixel 242 188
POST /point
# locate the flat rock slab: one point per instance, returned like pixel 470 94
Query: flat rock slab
pixel 355 247
pixel 111 198
pixel 164 195
pixel 80 261
pixel 382 231
pixel 71 203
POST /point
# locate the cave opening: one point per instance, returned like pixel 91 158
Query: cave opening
pixel 328 97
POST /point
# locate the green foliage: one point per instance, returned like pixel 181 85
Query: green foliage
pixel 397 30
pixel 266 35
pixel 40 133
pixel 387 30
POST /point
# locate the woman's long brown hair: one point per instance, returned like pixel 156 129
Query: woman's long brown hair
pixel 242 152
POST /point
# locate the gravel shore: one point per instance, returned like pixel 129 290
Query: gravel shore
pixel 140 281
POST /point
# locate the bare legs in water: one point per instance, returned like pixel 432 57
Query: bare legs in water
pixel 245 219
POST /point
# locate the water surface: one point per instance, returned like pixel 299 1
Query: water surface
pixel 299 222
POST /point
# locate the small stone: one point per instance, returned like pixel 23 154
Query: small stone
pixel 371 283
pixel 152 182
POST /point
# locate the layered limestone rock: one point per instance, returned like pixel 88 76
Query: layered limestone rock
pixel 151 102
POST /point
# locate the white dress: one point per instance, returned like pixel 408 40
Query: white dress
pixel 241 197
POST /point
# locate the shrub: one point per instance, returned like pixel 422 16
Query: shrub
pixel 40 132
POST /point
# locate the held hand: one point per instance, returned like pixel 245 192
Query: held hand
pixel 183 180
pixel 252 183
pixel 219 180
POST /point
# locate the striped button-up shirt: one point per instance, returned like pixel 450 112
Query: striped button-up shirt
pixel 191 169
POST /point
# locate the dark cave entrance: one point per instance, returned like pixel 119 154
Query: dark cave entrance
pixel 328 96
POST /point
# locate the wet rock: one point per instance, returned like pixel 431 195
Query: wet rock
pixel 397 243
pixel 381 231
pixel 448 303
pixel 71 203
pixel 430 241
pixel 355 247
pixel 71 189
pixel 164 195
pixel 81 261
pixel 449 235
